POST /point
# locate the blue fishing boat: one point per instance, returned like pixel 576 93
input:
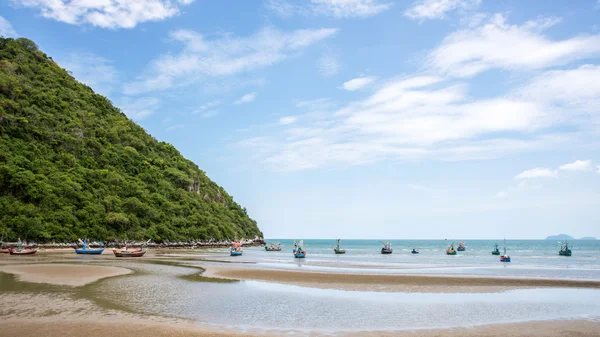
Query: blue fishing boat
pixel 299 252
pixel 415 251
pixel 461 247
pixel 504 257
pixel 86 249
pixel 236 250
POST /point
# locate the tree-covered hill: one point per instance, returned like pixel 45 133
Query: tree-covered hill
pixel 72 165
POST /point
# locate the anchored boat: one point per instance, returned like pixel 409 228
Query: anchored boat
pixel 86 249
pixel 236 250
pixel 505 257
pixel 129 253
pixel 20 250
pixel 451 250
pixel 461 247
pixel 299 252
pixel 415 251
pixel 495 251
pixel 273 247
pixel 387 248
pixel 564 249
pixel 337 248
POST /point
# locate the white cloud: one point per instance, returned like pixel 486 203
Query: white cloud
pixel 497 44
pixel 6 29
pixel 96 72
pixel 175 127
pixel 210 113
pixel 411 118
pixel 328 65
pixel 358 83
pixel 334 8
pixel 247 98
pixel 223 56
pixel 598 167
pixel 437 9
pixel 287 120
pixel 578 165
pixel 426 189
pixel 537 173
pixel 139 108
pixel 105 13
pixel 502 194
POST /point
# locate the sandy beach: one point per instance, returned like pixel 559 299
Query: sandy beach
pixel 63 274
pixel 71 314
pixel 390 283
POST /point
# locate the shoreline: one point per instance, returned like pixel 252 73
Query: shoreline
pixel 389 283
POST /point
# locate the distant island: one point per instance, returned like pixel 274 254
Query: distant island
pixel 568 237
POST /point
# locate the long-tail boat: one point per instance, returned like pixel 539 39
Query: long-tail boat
pixel 236 250
pixel 564 249
pixel 2 249
pixel 505 257
pixel 387 248
pixel 495 251
pixel 20 250
pixel 414 251
pixel 337 248
pixel 273 247
pixel 299 252
pixel 451 250
pixel 461 247
pixel 86 249
pixel 129 253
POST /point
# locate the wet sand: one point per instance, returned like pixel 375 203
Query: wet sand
pixel 63 274
pixel 53 328
pixel 390 283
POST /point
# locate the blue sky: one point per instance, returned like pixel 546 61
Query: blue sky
pixel 357 118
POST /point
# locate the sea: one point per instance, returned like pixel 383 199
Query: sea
pixel 530 258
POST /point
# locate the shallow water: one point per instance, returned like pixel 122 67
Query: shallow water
pixel 530 258
pixel 250 305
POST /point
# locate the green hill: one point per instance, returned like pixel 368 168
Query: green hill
pixel 72 165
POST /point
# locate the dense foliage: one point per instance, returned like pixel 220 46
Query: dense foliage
pixel 72 166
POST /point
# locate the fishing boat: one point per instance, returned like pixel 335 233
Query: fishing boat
pixel 236 250
pixel 20 250
pixel 3 250
pixel 451 250
pixel 129 253
pixel 414 251
pixel 461 247
pixel 495 251
pixel 504 257
pixel 337 248
pixel 299 252
pixel 86 249
pixel 273 247
pixel 564 249
pixel 387 248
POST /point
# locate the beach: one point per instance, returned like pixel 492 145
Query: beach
pixel 192 293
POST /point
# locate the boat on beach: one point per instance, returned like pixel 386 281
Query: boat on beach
pixel 129 253
pixel 461 247
pixel 20 250
pixel 451 250
pixel 273 247
pixel 86 250
pixel 337 248
pixel 414 251
pixel 299 252
pixel 564 249
pixel 387 248
pixel 236 250
pixel 496 251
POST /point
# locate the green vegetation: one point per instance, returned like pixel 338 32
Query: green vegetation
pixel 72 165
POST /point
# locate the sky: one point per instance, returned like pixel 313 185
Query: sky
pixel 357 118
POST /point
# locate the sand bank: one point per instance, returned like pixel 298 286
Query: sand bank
pixel 53 328
pixel 390 283
pixel 63 274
